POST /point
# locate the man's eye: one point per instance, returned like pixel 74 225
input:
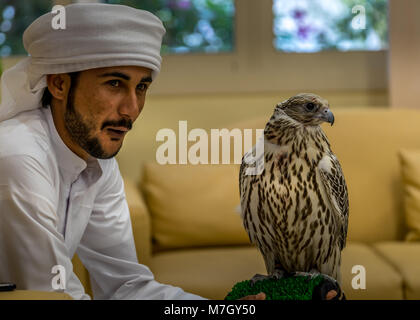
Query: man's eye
pixel 114 83
pixel 142 87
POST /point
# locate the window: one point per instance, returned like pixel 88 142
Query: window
pixel 311 26
pixel 191 25
pixel 239 55
pixel 15 17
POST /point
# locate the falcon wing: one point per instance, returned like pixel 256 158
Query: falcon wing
pixel 336 189
pixel 246 188
pixel 243 182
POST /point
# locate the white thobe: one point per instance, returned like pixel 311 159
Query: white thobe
pixel 53 204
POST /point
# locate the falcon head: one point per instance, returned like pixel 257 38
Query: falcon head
pixel 307 109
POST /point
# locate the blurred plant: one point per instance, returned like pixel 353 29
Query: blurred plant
pixel 191 25
pixel 15 17
pixel 315 25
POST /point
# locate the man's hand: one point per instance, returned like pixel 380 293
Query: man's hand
pixel 260 296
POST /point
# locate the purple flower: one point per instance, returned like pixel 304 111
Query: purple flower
pixel 184 4
pixel 303 31
pixel 298 14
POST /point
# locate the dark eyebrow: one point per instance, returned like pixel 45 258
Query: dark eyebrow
pixel 146 79
pixel 115 74
pixel 124 76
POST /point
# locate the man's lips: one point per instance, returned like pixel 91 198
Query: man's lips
pixel 116 132
pixel 124 129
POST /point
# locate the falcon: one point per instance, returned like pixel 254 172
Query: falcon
pixel 296 210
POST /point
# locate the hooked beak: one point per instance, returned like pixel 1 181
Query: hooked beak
pixel 328 116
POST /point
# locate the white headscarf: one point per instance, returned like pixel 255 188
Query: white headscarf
pixel 96 35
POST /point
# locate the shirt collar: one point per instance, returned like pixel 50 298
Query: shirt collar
pixel 68 161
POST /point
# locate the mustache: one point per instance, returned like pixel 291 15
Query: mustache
pixel 127 123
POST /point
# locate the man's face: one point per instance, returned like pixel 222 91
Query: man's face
pixel 103 105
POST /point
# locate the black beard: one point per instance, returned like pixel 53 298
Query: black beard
pixel 80 131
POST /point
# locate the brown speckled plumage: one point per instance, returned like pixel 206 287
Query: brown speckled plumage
pixel 296 211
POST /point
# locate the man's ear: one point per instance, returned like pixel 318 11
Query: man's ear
pixel 59 85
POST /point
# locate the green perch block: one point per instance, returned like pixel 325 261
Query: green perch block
pixel 289 288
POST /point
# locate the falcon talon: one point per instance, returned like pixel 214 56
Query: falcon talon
pixel 258 277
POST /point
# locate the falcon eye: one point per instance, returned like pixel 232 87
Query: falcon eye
pixel 310 106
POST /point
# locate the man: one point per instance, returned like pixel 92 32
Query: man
pixel 61 191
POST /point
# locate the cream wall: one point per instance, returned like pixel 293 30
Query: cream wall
pixel 404 60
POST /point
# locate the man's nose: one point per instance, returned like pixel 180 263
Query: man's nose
pixel 130 106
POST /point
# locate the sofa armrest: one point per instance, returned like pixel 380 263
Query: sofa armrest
pixel 33 295
pixel 140 221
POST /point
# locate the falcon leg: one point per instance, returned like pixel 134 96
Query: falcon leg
pixel 259 277
pixel 313 273
pixel 309 275
pixel 277 274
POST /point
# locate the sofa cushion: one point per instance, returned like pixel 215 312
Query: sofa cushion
pixel 383 282
pixel 410 169
pixel 212 272
pixel 405 258
pixel 193 206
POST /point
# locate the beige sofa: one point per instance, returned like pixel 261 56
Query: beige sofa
pixel 187 229
pixel 188 232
